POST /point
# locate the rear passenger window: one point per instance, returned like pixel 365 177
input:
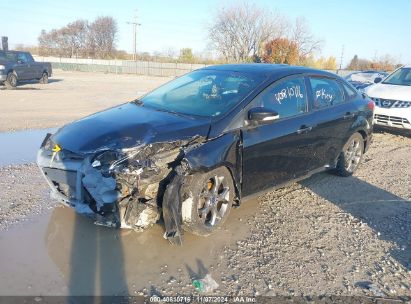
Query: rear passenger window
pixel 287 97
pixel 326 92
pixel 351 93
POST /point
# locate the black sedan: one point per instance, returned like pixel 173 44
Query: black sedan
pixel 195 146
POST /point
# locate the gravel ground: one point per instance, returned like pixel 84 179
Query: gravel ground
pixel 326 235
pixel 23 194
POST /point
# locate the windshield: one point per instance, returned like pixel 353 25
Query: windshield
pixel 8 56
pixel 364 77
pixel 400 77
pixel 205 93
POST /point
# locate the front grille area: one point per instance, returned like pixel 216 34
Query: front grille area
pixel 391 103
pixel 394 120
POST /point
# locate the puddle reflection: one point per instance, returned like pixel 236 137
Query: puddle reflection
pixel 21 146
pixel 106 261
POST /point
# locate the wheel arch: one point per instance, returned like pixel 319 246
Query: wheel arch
pixel 12 71
pixel 365 137
pixel 363 126
pixel 224 151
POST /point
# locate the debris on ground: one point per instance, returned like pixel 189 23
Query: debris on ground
pixel 206 284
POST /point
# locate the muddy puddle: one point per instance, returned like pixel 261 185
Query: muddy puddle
pixel 21 146
pixel 62 253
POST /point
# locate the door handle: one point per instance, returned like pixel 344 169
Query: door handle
pixel 304 129
pixel 349 115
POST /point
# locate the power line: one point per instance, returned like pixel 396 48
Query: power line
pixel 342 56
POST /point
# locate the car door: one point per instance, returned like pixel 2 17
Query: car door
pixel 35 68
pixel 22 67
pixel 333 115
pixel 279 151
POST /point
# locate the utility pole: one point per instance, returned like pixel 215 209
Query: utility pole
pixel 342 56
pixel 135 24
pixel 4 43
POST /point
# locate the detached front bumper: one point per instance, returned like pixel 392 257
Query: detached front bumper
pixel 65 178
pixel 106 200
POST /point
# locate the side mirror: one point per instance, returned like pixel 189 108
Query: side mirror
pixel 377 80
pixel 262 115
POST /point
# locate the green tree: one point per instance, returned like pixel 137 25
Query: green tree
pixel 186 55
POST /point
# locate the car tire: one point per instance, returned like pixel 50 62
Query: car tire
pixel 350 156
pixel 209 201
pixel 44 78
pixel 11 81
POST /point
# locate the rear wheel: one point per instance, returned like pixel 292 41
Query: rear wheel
pixel 351 155
pixel 44 78
pixel 209 203
pixel 11 81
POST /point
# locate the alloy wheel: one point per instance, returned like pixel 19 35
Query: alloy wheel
pixel 214 201
pixel 353 155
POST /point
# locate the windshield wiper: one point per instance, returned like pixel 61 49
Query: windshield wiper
pixel 138 102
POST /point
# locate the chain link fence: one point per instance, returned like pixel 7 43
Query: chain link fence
pixel 150 68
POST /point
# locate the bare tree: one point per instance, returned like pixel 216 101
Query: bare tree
pixel 81 39
pixel 77 32
pixel 102 36
pixel 306 42
pixel 238 32
pixel 52 43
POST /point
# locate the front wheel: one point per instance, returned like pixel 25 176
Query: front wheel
pixel 44 78
pixel 209 201
pixel 351 155
pixel 11 81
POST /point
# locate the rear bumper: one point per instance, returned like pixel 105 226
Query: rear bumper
pixel 399 118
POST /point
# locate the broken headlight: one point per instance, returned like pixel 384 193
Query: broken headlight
pixel 104 160
pixel 123 161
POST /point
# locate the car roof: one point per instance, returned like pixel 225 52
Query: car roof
pixel 268 69
pixel 8 51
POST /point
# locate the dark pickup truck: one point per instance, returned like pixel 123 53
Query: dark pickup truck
pixel 16 66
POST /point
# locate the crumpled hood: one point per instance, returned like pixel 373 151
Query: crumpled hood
pixel 126 126
pixel 389 91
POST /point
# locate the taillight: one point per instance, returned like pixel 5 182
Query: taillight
pixel 371 105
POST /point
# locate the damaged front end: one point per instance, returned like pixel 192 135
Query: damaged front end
pixel 120 188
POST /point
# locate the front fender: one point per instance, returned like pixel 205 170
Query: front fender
pixel 225 150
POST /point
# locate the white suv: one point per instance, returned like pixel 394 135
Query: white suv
pixel 392 98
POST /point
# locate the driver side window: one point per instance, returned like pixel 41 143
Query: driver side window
pixel 288 97
pixel 21 58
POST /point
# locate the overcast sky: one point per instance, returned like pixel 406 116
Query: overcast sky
pixel 367 28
